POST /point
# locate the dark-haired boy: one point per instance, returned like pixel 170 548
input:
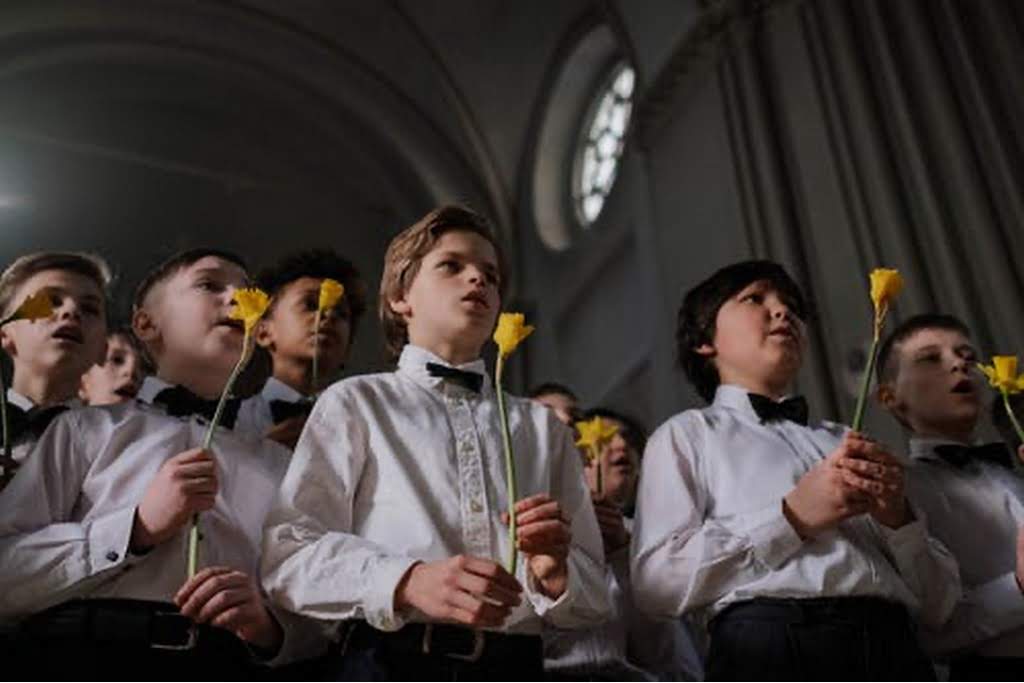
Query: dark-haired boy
pixel 50 355
pixel 390 516
pixel 558 398
pixel 279 411
pixel 93 531
pixel 928 380
pixel 118 377
pixel 793 542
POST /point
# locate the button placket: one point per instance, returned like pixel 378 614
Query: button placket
pixel 476 534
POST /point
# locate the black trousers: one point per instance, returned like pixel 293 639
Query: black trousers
pixel 978 668
pixel 366 654
pixel 816 639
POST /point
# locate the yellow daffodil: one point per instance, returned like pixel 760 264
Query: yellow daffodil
pixel 886 284
pixel 511 331
pixel 1002 374
pixel 39 305
pixel 250 305
pixel 595 433
pixel 331 292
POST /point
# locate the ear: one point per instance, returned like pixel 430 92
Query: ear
pixel 265 334
pixel 886 395
pixel 145 327
pixel 7 342
pixel 706 350
pixel 400 307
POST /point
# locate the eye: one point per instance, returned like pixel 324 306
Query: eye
pixel 449 265
pixel 211 286
pixel 310 302
pixel 753 297
pixel 929 358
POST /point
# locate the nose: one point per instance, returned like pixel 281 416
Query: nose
pixel 68 308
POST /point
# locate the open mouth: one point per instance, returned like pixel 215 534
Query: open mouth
pixel 231 323
pixel 67 333
pixel 783 333
pixel 127 391
pixel 964 386
pixel 477 298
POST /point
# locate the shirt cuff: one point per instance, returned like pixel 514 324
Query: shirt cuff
pixel 544 605
pixel 108 539
pixel 773 538
pixel 379 607
pixel 908 539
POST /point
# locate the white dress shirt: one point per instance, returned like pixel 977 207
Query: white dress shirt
pixel 66 519
pixel 710 530
pixel 976 512
pixel 254 416
pixel 20 449
pixel 628 646
pixel 401 467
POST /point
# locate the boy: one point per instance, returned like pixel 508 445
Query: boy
pixel 390 516
pixel 49 356
pixel 286 332
pixel 630 645
pixel 558 398
pixel 794 541
pixel 927 379
pixel 119 376
pixel 93 531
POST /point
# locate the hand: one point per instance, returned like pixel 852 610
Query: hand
pixel 872 462
pixel 462 589
pixel 827 494
pixel 287 432
pixel 184 485
pixel 543 535
pixel 229 599
pixel 610 521
pixel 1020 560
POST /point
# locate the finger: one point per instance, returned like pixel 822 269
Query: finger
pixel 193 455
pixel 189 587
pixel 525 504
pixel 544 547
pixel 492 572
pixel 549 510
pixel 865 468
pixel 490 591
pixel 234 618
pixel 476 612
pixel 542 533
pixel 868 486
pixel 223 600
pixel 189 470
pixel 206 485
pixel 202 503
pixel 205 590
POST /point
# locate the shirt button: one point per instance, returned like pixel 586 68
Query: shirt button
pixel 475 506
pixel 112 556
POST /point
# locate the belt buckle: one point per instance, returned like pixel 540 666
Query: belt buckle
pixel 473 656
pixel 190 641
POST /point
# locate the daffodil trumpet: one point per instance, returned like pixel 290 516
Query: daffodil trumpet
pixel 34 307
pixel 594 435
pixel 1002 376
pixel 509 333
pixel 886 283
pixel 250 305
pixel 331 292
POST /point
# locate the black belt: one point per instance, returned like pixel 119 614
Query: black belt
pixel 143 623
pixel 445 640
pixel 810 610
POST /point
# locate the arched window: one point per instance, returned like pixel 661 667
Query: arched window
pixel 602 139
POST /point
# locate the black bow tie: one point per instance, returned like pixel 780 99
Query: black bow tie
pixel 468 380
pixel 180 402
pixel 283 410
pixel 959 456
pixel 31 422
pixel 792 409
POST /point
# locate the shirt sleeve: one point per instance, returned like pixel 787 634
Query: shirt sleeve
pixel 984 612
pixel 585 600
pixel 928 568
pixel 45 557
pixel 682 559
pixel 312 563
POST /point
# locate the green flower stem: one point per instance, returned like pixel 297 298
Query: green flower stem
pixel 193 532
pixel 598 469
pixel 316 351
pixel 510 468
pixel 1017 465
pixel 865 384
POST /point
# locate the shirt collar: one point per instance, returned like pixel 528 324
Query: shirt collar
pixel 924 447
pixel 26 404
pixel 151 386
pixel 276 390
pixel 413 364
pixel 735 397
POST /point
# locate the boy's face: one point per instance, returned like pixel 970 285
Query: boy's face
pixel 116 379
pixel 186 323
pixel 935 390
pixel 288 331
pixel 564 406
pixel 759 341
pixel 452 304
pixel 621 468
pixel 68 342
